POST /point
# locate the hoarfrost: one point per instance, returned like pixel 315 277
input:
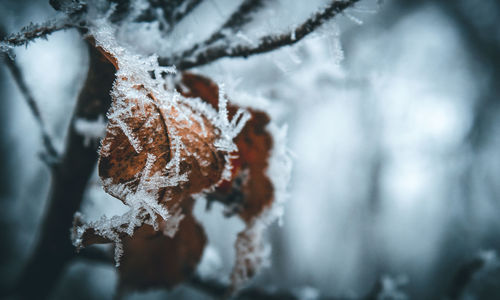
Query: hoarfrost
pixel 252 254
pixel 143 208
pixel 171 225
pixel 353 18
pixel 228 130
pixel 252 250
pixel 90 129
pixel 133 90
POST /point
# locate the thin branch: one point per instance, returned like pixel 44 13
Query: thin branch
pixel 32 104
pixel 179 14
pixel 34 31
pixel 236 21
pixel 264 44
pixel 167 12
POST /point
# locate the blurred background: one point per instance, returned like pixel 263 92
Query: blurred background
pixel 392 127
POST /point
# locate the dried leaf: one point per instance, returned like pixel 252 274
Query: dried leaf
pixel 160 148
pixel 147 129
pixel 249 191
pixel 152 259
pixel 250 162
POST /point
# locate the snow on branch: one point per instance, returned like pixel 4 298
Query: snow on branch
pixel 267 43
pixel 32 32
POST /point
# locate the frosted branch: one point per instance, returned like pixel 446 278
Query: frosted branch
pixel 236 21
pixel 34 31
pixel 264 44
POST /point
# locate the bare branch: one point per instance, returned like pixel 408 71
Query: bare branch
pixel 264 44
pixel 32 104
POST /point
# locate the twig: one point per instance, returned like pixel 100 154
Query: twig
pixel 236 21
pixel 178 14
pixel 33 106
pixel 34 31
pixel 264 44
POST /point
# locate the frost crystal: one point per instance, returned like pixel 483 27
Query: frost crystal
pixel 90 130
pixel 171 225
pixel 229 130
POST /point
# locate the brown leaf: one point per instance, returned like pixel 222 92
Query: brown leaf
pixel 254 148
pixel 146 131
pixel 249 191
pixel 151 259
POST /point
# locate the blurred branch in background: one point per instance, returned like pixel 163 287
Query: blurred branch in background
pixel 51 156
pixel 54 249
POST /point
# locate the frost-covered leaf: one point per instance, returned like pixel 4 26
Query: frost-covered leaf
pixel 247 191
pixel 152 259
pixel 248 188
pixel 159 147
pixel 165 142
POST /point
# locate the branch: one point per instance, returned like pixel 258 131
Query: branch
pixel 236 21
pixel 173 11
pixel 32 32
pixel 53 248
pixel 179 14
pixel 32 104
pixel 265 44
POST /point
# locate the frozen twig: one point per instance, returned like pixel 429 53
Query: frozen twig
pixel 34 31
pixel 237 20
pixel 262 45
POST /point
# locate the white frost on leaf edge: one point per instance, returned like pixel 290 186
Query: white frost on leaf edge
pixel 251 245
